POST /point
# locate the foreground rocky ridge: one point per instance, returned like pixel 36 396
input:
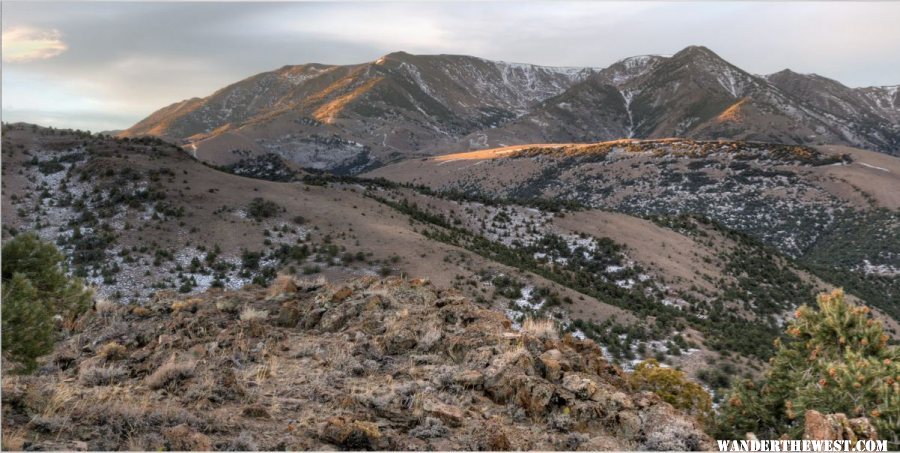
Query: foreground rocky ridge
pixel 367 364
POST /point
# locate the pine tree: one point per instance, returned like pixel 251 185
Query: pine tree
pixel 27 327
pixel 44 266
pixel 834 359
pixel 35 288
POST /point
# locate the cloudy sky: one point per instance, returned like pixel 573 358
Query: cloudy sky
pixel 106 65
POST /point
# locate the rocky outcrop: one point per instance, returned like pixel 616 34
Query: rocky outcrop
pixel 837 427
pixel 366 364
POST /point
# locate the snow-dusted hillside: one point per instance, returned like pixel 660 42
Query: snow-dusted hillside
pixel 403 105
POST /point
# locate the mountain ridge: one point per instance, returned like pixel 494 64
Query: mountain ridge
pixel 361 116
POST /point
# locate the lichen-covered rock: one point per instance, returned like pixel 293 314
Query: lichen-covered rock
pixel 450 415
pixel 551 366
pixel 583 387
pixel 819 426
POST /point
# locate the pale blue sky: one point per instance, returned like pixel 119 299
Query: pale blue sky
pixel 107 65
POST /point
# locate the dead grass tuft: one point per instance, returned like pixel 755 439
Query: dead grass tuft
pixel 113 351
pixel 14 439
pixel 170 374
pixel 252 314
pixel 282 286
pixel 540 328
pixel 185 438
pixel 100 375
pixel 60 394
pixel 186 305
pixel 141 312
pixel 105 306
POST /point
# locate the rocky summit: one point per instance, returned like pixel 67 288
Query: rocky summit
pixel 387 364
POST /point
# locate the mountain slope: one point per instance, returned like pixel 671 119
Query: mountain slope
pixel 875 111
pixel 349 118
pixel 833 208
pixel 139 218
pixel 355 116
pixel 697 94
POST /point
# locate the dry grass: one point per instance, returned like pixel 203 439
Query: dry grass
pixel 541 328
pixel 14 439
pixel 105 306
pixel 186 305
pixel 252 314
pixel 493 153
pixel 267 370
pixel 335 355
pixel 170 373
pixel 517 355
pixel 62 395
pixel 100 375
pixel 113 351
pixel 142 312
pixel 283 284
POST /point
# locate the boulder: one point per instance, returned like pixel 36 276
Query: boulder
pixel 819 426
pixel 550 365
pixel 582 387
pixel 451 415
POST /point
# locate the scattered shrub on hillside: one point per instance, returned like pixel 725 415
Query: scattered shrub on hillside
pixel 673 387
pixel 113 351
pixel 250 260
pixel 835 360
pixel 260 209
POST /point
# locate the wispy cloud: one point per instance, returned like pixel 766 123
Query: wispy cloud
pixel 23 44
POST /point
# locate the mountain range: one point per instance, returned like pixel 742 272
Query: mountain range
pixel 351 118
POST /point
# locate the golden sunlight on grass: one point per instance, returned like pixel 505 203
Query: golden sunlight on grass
pixel 732 113
pixel 492 153
pixel 328 112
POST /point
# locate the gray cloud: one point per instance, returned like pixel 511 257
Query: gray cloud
pixel 124 60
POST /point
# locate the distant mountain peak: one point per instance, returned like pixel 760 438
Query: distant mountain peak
pixel 403 104
pixel 700 55
pixel 627 69
pixel 696 50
